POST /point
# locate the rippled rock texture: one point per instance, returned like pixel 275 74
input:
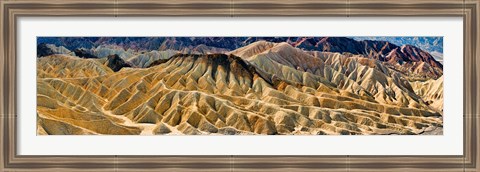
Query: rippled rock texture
pixel 263 88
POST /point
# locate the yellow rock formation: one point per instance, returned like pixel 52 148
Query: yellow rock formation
pixel 263 88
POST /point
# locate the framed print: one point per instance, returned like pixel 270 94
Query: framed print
pixel 249 85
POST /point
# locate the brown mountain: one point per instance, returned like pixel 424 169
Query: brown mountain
pixel 263 88
pixel 402 58
pixel 116 63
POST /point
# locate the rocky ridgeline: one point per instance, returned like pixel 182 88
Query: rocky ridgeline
pixel 263 88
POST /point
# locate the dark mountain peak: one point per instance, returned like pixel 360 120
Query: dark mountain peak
pixel 80 52
pixel 416 54
pixel 411 49
pixel 116 63
pixel 44 50
pixel 227 63
pixel 379 50
pixel 211 59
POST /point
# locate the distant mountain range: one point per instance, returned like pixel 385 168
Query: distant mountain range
pixel 429 44
pixel 405 57
pixel 433 45
pixel 201 86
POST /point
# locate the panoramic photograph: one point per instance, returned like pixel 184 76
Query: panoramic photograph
pixel 239 85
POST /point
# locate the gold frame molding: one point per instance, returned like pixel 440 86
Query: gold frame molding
pixel 10 10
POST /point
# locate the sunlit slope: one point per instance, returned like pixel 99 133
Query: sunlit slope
pixel 225 94
pixel 431 91
pixel 66 66
pixel 364 77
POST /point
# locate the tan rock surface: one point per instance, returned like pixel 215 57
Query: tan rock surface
pixel 263 88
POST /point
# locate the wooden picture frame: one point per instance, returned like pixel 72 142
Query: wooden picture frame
pixel 10 10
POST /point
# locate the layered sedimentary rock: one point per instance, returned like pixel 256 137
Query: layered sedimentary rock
pixel 83 53
pixel 431 91
pixel 116 63
pixel 65 66
pixel 145 59
pixel 408 59
pixel 44 50
pixel 263 88
pixel 50 49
